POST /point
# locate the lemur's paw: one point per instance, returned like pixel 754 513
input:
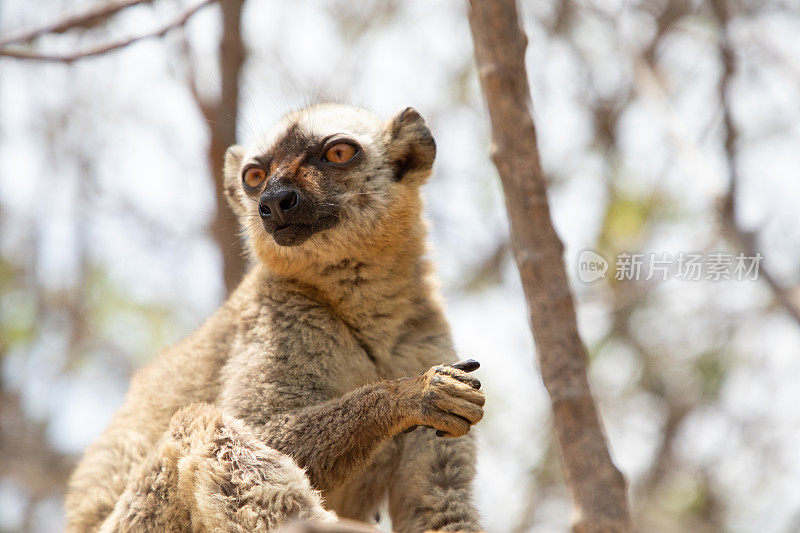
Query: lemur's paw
pixel 448 399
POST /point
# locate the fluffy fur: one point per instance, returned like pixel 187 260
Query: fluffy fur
pixel 300 396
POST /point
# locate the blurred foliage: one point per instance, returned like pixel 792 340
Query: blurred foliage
pixel 105 254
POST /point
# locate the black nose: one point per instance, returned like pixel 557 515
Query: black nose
pixel 277 204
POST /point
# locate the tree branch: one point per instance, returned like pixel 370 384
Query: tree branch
pixel 86 19
pixel 598 488
pixel 746 240
pixel 27 457
pixel 222 118
pixel 108 47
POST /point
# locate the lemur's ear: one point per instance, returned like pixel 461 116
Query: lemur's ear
pixel 233 183
pixel 410 146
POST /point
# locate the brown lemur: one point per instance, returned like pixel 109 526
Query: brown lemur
pixel 299 397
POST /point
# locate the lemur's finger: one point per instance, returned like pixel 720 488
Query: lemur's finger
pixel 463 409
pixel 453 435
pixel 454 388
pixel 451 425
pixel 467 365
pixel 475 383
pixel 460 375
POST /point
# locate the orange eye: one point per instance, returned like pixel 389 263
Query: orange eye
pixel 340 153
pixel 253 177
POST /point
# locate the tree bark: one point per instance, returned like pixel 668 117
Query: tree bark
pixel 597 487
pixel 222 119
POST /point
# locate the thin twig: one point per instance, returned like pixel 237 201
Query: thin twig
pixel 108 47
pixel 86 19
pixel 747 240
pixel 190 75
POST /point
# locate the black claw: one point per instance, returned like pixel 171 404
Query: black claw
pixel 468 365
pixel 440 433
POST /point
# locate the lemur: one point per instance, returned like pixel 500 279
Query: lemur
pixel 325 383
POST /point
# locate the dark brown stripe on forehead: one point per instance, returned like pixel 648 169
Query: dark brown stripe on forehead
pixel 295 142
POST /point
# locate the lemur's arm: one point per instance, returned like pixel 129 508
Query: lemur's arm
pixel 336 439
pixel 431 489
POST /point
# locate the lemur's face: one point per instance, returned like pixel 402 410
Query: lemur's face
pixel 327 175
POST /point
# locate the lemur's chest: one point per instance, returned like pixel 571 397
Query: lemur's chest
pixel 296 332
pixel 291 352
pixel 296 341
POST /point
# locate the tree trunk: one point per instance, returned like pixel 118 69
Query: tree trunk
pixel 222 119
pixel 597 487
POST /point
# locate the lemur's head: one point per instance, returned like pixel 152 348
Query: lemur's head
pixel 329 181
